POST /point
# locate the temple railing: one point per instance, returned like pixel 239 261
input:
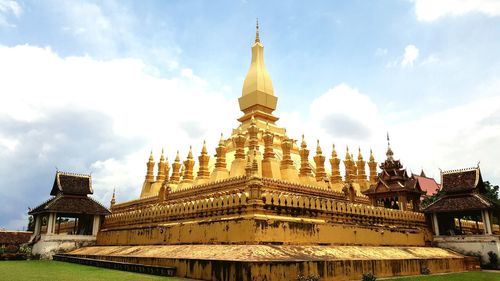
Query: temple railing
pixel 236 185
pixel 274 200
pixel 473 227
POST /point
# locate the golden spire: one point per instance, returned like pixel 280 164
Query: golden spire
pixel 360 157
pixel 258 93
pixel 305 168
pixel 203 159
pixel 220 161
pixel 335 162
pixel 371 155
pixel 257 36
pixel 319 159
pixel 160 176
pixel 334 152
pixel 268 143
pixel 188 166
pixel 361 165
pixel 175 169
pixel 150 167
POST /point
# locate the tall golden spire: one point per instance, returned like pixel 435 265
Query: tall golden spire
pixel 257 36
pixel 258 93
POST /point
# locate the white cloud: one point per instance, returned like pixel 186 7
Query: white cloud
pixel 37 82
pixel 410 56
pixel 9 8
pixel 454 137
pixel 430 60
pixel 430 10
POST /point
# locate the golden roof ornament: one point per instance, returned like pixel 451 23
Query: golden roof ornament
pixel 318 148
pixel 389 152
pixel 334 152
pixel 360 157
pixel 151 159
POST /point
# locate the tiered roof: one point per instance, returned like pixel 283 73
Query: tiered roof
pixel 394 178
pixel 70 196
pixel 464 191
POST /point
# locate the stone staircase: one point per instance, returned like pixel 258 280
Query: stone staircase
pixel 124 266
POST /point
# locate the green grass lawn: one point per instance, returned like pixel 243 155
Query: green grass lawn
pixel 62 271
pixel 464 276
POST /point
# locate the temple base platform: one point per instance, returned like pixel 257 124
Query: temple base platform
pixel 282 262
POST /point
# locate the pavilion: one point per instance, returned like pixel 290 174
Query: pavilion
pixel 69 216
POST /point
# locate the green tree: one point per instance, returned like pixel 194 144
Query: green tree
pixel 491 192
pixel 433 198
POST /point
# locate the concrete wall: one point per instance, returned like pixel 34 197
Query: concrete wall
pixel 471 245
pixel 48 245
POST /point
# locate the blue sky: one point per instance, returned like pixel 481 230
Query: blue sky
pixel 93 86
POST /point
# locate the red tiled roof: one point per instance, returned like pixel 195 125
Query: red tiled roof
pixel 429 185
pixel 14 237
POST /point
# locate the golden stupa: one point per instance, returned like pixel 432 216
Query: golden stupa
pixel 262 209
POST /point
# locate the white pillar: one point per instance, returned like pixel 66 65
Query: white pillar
pixel 436 225
pixel 487 222
pixel 51 223
pixel 95 226
pixel 38 225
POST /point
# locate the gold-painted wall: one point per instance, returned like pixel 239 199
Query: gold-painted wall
pixel 263 229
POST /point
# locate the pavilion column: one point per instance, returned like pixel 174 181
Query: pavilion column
pixel 436 225
pixel 403 203
pixel 487 224
pixel 95 226
pixel 51 223
pixel 38 225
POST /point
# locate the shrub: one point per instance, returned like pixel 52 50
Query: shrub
pixel 425 271
pixel 25 249
pixel 368 277
pixel 301 277
pixel 11 249
pixel 493 259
